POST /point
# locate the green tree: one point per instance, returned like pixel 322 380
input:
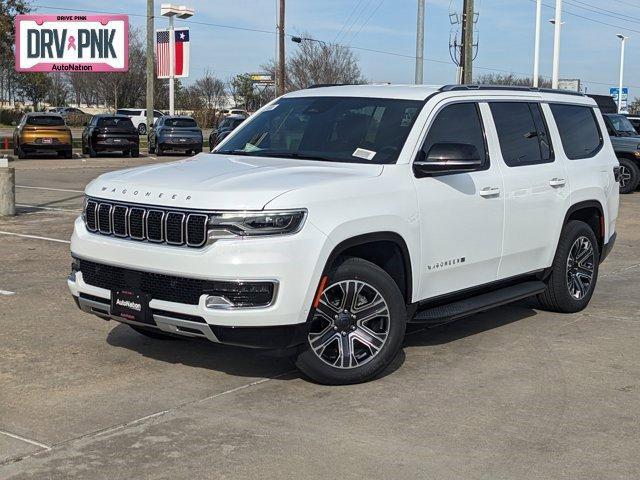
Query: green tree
pixel 34 87
pixel 8 11
pixel 243 92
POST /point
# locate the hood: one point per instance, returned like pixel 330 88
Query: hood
pixel 629 143
pixel 222 182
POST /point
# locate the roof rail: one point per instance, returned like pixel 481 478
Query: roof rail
pixel 322 85
pixel 513 88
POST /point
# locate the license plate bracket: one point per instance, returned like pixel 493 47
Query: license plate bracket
pixel 131 305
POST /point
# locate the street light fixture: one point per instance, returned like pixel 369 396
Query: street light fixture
pixel 306 39
pixel 183 12
pixel 622 44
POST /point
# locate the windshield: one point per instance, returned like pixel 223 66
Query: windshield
pixel 120 122
pixel 337 129
pixel 45 121
pixel 180 123
pixel 622 125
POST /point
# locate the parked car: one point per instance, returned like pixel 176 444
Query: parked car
pixel 626 144
pixel 239 111
pixel 339 215
pixel 176 133
pixel 139 117
pixel 227 125
pixel 64 111
pixel 40 132
pixel 635 121
pixel 110 133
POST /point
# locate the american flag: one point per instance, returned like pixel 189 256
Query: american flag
pixel 181 53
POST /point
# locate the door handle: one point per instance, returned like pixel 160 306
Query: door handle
pixel 557 182
pixel 489 192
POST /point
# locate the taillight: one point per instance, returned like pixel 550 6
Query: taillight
pixel 616 173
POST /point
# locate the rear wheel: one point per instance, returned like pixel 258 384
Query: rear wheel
pixel 160 151
pixel 68 154
pixel 574 271
pixel 21 153
pixel 135 152
pixel 142 129
pixel 357 328
pixel 629 175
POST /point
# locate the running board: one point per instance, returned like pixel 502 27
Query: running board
pixel 479 303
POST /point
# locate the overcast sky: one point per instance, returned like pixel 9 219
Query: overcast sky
pixel 590 49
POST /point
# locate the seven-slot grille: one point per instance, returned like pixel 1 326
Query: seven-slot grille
pixel 146 223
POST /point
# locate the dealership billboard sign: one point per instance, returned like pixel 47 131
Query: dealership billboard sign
pixel 72 43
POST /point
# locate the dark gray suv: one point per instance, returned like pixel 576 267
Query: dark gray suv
pixel 626 144
pixel 175 133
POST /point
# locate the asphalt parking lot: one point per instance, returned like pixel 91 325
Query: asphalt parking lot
pixel 515 393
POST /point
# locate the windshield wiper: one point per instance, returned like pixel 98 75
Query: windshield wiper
pixel 300 156
pixel 234 152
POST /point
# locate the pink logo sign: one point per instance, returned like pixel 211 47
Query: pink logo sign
pixel 72 43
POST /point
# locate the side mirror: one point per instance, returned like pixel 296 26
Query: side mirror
pixel 447 158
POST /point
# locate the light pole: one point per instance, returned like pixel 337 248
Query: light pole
pixel 556 44
pixel 623 41
pixel 536 51
pixel 181 11
pixel 420 44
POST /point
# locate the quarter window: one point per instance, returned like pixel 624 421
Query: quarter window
pixel 523 134
pixel 579 131
pixel 458 123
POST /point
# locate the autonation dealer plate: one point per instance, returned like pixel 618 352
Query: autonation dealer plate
pixel 75 43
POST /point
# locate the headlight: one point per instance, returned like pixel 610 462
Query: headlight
pixel 251 224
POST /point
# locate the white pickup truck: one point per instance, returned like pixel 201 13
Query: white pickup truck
pixel 335 216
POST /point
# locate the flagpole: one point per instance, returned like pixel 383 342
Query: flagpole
pixel 172 66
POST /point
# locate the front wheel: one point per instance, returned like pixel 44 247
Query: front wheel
pixel 574 271
pixel 629 175
pixel 357 327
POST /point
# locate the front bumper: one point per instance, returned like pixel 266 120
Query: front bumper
pixel 291 261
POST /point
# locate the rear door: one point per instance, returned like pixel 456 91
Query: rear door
pixel 461 214
pixel 536 186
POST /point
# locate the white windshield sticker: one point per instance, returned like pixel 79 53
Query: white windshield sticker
pixel 271 107
pixel 364 153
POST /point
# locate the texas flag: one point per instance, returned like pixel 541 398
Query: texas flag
pixel 181 53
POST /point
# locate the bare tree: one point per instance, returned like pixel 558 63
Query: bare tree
pixel 211 90
pixel 8 76
pixel 59 92
pixel 509 79
pixel 316 63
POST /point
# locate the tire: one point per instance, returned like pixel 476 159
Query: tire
pixel 331 331
pixel 126 153
pixel 68 154
pixel 151 148
pixel 142 129
pixel 159 150
pixel 629 175
pixel 153 333
pixel 21 153
pixel 567 275
pixel 135 152
pixel 92 152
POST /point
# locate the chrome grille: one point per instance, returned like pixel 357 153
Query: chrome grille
pixel 155 225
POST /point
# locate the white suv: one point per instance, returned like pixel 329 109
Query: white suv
pixel 138 117
pixel 335 216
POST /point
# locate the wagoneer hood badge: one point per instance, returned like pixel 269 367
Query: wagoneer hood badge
pixel 221 182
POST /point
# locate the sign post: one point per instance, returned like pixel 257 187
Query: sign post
pixel 181 11
pixel 621 98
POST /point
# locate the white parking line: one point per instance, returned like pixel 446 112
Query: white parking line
pixel 6 292
pixel 54 209
pixel 51 189
pixel 34 236
pixel 32 442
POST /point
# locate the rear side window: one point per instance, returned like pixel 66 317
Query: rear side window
pixel 523 134
pixel 130 113
pixel 181 123
pixel 579 131
pixel 119 122
pixel 458 123
pixel 45 121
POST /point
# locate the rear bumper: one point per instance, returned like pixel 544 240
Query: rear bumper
pixel 107 145
pixel 194 144
pixel 45 147
pixel 608 247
